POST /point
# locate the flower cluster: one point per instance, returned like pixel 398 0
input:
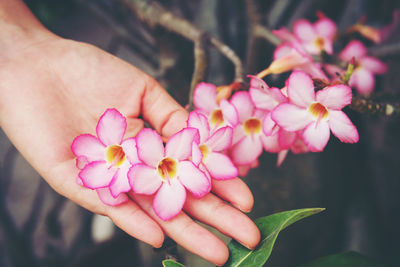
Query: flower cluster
pixel 309 43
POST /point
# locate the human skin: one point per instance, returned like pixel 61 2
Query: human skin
pixel 53 89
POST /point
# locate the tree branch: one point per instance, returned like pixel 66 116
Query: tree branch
pixel 385 50
pixel 369 106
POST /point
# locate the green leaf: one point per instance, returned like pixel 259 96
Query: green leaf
pixel 171 263
pixel 345 259
pixel 269 226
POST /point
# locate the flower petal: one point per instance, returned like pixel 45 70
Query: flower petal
pixel 193 179
pixel 271 143
pixel 300 89
pixel 169 200
pixel 88 146
pixel 335 96
pixel 220 166
pixel 299 146
pixel 238 134
pixel 229 111
pixel 281 157
pixel 130 150
pixel 342 127
pixel 374 65
pixel 111 127
pixel 285 35
pixel 247 150
pixel 363 80
pixel 316 136
pixel 81 162
pixel 97 174
pixel 120 183
pixel 205 97
pixel 221 139
pixel 200 122
pixel 304 30
pixel 291 117
pixel 197 155
pixel 353 49
pixel 286 139
pixel 144 179
pixel 150 147
pixel 179 146
pixel 325 27
pixel 243 104
pixel 106 197
pixel 269 125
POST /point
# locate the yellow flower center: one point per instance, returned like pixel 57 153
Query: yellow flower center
pixel 252 126
pixel 204 150
pixel 167 168
pixel 318 110
pixel 320 43
pixel 115 155
pixel 217 118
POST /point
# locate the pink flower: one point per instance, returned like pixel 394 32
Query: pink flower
pixel 219 114
pixel 166 172
pixel 363 75
pixel 207 152
pixel 248 136
pixel 105 160
pixel 315 37
pixel 315 113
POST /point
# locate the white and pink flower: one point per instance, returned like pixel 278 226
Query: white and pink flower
pixel 166 172
pixel 315 114
pixel 104 160
pixel 365 68
pixel 208 151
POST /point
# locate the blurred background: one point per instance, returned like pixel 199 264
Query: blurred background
pixel 358 184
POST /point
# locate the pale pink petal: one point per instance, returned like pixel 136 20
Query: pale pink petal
pixel 285 35
pixel 221 139
pixel 325 27
pixel 304 30
pixel 120 183
pixel 200 122
pixel 353 49
pixel 286 139
pixel 300 89
pixel 282 50
pixel 291 117
pixel 299 146
pixel 97 174
pixel 229 111
pixel 328 46
pixel 106 197
pixel 220 166
pixel 374 65
pixel 197 155
pixel 88 146
pixel 81 162
pixel 203 168
pixel 150 147
pixel 363 80
pixel 247 150
pixel 169 200
pixel 316 136
pixel 257 83
pixel 130 150
pixel 144 179
pixel 281 157
pixel 205 97
pixel 271 143
pixel 264 99
pixel 243 104
pixel 238 134
pixel 193 179
pixel 79 181
pixel 179 146
pixel 342 127
pixel 314 70
pixel 335 96
pixel 111 127
pixel 269 125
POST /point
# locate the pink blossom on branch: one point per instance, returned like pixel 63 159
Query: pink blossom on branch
pixel 105 160
pixel 208 151
pixel 366 66
pixel 315 114
pixel 167 171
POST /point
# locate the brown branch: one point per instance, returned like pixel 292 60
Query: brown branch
pixel 200 67
pixel 385 50
pixel 154 15
pixel 369 106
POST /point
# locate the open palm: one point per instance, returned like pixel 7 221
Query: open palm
pixel 55 90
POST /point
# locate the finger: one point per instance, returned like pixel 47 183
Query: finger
pixel 129 217
pixel 162 111
pixel 188 234
pixel 236 192
pixel 226 219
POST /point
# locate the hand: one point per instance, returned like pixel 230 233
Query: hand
pixel 56 89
